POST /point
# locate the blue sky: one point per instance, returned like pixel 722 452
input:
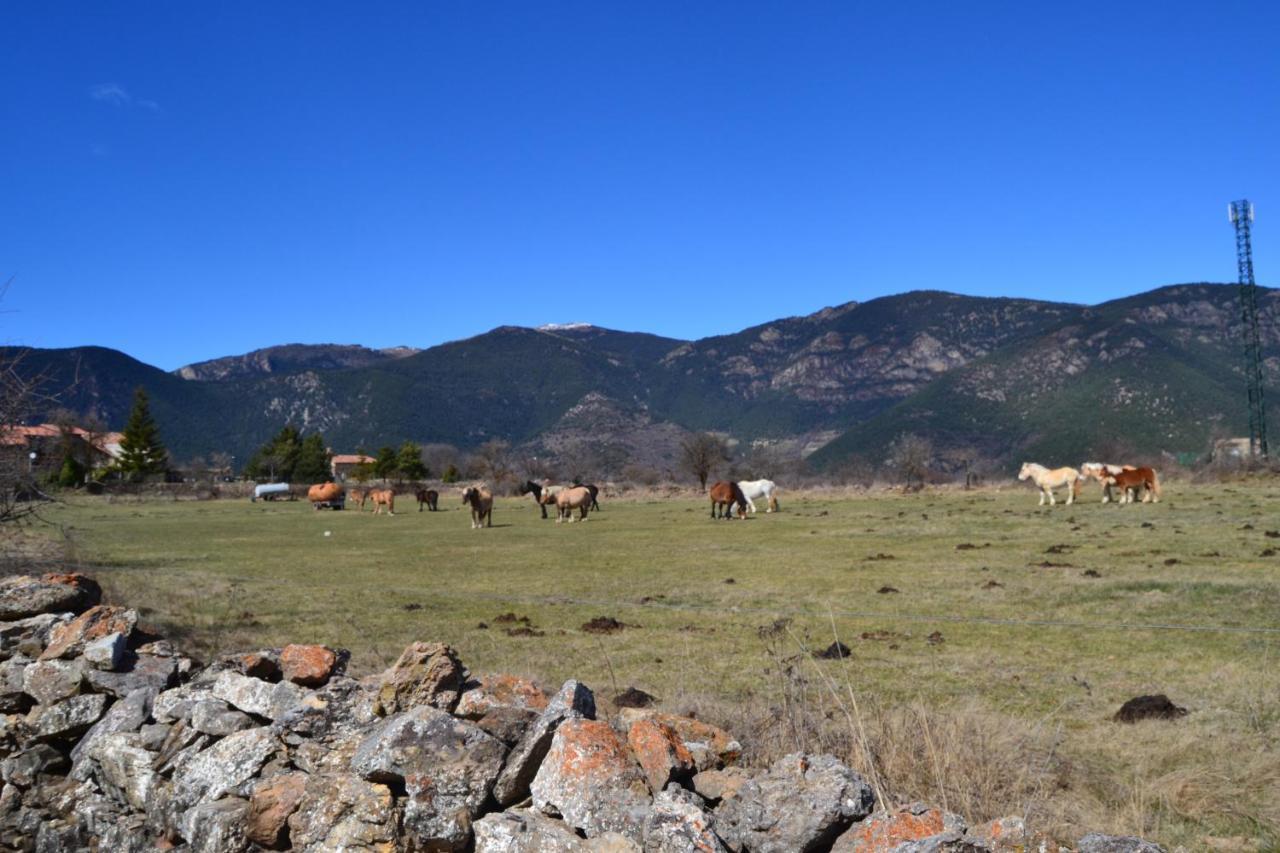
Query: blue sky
pixel 183 181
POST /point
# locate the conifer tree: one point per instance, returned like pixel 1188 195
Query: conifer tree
pixel 141 452
pixel 409 461
pixel 313 461
pixel 384 465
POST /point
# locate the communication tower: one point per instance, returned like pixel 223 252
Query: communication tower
pixel 1241 213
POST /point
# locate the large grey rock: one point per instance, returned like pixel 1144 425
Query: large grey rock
pixel 447 767
pixel 224 767
pixel 801 804
pixel 1096 842
pixel 525 831
pixel 138 671
pixel 69 717
pixel 123 769
pixel 424 674
pixel 107 652
pixel 573 701
pixel 215 717
pixel 255 696
pixel 176 703
pixel 127 715
pixel 49 682
pixel 24 596
pixel 25 767
pixel 217 826
pixel 13 699
pixel 344 812
pixel 591 780
pixel 915 828
pixel 678 824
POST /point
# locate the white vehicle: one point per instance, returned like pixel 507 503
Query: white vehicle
pixel 270 491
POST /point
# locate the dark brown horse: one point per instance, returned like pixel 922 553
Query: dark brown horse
pixel 428 498
pixel 724 494
pixel 595 493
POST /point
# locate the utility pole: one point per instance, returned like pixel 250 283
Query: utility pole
pixel 1241 213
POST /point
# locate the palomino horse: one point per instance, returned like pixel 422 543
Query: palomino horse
pixel 1133 480
pixel 753 489
pixel 1100 471
pixel 724 494
pixel 357 496
pixel 543 495
pixel 325 494
pixel 595 493
pixel 567 500
pixel 1048 480
pixel 383 499
pixel 481 500
pixel 429 497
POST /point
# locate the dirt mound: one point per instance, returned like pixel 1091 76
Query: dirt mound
pixel 835 651
pixel 633 697
pixel 1153 707
pixel 604 625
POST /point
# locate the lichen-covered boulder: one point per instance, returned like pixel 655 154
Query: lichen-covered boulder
pixel 127 715
pixel 710 746
pixel 678 824
pixel 28 637
pixel 716 785
pixel 1096 842
pixel 447 767
pixel 137 671
pixel 273 802
pixel 224 767
pixel 24 767
pixel 69 640
pixel 344 812
pixel 660 752
pixel 573 701
pixel 108 653
pixel 309 665
pixel 70 717
pixel 24 596
pixel 425 674
pixel 591 780
pixel 885 831
pixel 217 826
pixel 489 692
pixel 123 769
pixel 802 803
pixel 525 831
pixel 50 681
pixel 215 717
pixel 256 696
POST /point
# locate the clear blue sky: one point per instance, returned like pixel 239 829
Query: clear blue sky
pixel 183 181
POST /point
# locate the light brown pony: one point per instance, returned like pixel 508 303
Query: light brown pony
pixel 323 493
pixel 1133 480
pixel 383 498
pixel 567 500
pixel 724 494
pixel 357 496
pixel 481 500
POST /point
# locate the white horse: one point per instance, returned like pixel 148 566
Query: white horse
pixel 1048 480
pixel 752 489
pixel 1101 471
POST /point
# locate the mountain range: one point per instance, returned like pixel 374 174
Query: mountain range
pixel 983 378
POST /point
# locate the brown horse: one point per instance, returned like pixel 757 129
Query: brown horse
pixel 481 500
pixel 383 498
pixel 567 500
pixel 724 494
pixel 427 497
pixel 324 494
pixel 357 496
pixel 1131 481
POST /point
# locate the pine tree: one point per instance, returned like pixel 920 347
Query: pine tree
pixel 313 461
pixel 384 465
pixel 409 461
pixel 277 459
pixel 141 452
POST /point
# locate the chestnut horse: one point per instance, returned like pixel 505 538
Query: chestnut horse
pixel 1132 481
pixel 567 500
pixel 481 501
pixel 427 497
pixel 383 498
pixel 357 496
pixel 1100 471
pixel 724 494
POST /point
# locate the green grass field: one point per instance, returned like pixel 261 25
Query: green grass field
pixel 1030 653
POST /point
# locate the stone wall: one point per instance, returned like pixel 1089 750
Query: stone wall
pixel 112 739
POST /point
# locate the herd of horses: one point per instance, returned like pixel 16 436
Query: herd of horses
pixel 1130 479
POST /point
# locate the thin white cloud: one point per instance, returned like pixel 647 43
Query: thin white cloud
pixel 117 95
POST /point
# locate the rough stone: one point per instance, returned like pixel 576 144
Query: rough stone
pixel 447 767
pixel 13 699
pixel 490 693
pixel 714 785
pixel 264 664
pixel 802 803
pixel 127 715
pixel 1096 842
pixel 310 666
pixel 107 653
pixel 662 755
pixel 884 831
pixel 224 767
pixel 1004 834
pixel 176 704
pixel 24 767
pixel 24 596
pixel 52 681
pixel 425 674
pixel 123 769
pixel 274 799
pixel 69 717
pixel 215 717
pixel 590 779
pixel 508 725
pixel 344 812
pixel 28 637
pixel 66 641
pixel 525 831
pixel 217 826
pixel 256 696
pixel 710 746
pixel 138 671
pixel 678 824
pixel 573 701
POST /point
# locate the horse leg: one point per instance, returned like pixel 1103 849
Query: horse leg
pixel 751 505
pixel 1071 493
pixel 1041 498
pixel 713 509
pixel 1053 501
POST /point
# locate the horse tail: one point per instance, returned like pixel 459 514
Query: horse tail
pixel 1155 483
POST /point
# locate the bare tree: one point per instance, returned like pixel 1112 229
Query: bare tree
pixel 702 453
pixel 493 458
pixel 19 396
pixel 909 456
pixel 438 458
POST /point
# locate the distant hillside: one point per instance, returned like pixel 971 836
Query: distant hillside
pixel 996 378
pixel 290 358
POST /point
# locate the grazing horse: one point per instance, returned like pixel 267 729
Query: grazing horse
pixel 593 489
pixel 1048 480
pixel 752 489
pixel 542 495
pixel 724 494
pixel 357 496
pixel 567 500
pixel 324 494
pixel 1100 471
pixel 1134 479
pixel 383 499
pixel 427 497
pixel 481 500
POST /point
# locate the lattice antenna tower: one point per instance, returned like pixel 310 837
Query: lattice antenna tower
pixel 1241 213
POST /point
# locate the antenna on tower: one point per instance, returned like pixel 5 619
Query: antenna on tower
pixel 1241 213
